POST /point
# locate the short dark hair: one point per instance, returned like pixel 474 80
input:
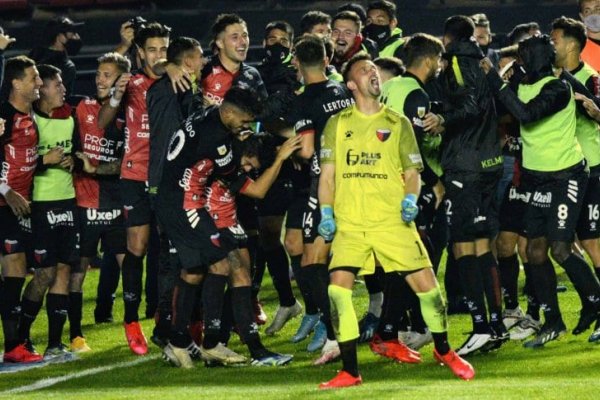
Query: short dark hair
pixel 385 5
pixel 521 31
pixel 123 64
pixel 582 2
pixel 360 56
pixel 223 21
pixel 572 29
pixel 357 9
pixel 459 27
pixel 393 65
pixel 251 147
pixel 179 47
pixel 246 100
pixel 282 26
pixel 348 15
pixel 151 30
pixel 420 46
pixel 312 18
pixel 480 20
pixel 310 51
pixel 15 69
pixel 48 71
pixel 538 54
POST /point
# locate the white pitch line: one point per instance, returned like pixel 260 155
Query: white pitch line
pixel 47 382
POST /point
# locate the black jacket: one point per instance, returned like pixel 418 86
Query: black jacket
pixel 470 144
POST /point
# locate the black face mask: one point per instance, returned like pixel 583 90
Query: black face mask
pixel 378 33
pixel 276 53
pixel 73 46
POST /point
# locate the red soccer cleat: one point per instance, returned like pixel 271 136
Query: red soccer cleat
pixel 135 338
pixel 260 317
pixel 459 367
pixel 394 349
pixel 342 379
pixel 21 355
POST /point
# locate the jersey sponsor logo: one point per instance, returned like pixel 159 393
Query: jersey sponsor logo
pixel 337 105
pixel 542 199
pixel 127 148
pixel 383 134
pixel 362 158
pixel 513 194
pixel 221 162
pixel 25 224
pixel 5 171
pixel 176 145
pixel 65 217
pixel 186 180
pixel 367 175
pixel 492 162
pixel 315 167
pixel 95 215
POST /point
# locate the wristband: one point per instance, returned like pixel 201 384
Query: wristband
pixel 4 188
pixel 114 103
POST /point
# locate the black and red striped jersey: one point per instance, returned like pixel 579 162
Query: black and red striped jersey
pixel 101 146
pixel 221 200
pixel 18 150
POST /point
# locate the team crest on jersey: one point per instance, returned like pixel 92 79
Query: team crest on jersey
pixel 383 134
pixel 40 255
pixel 222 150
pixel 10 246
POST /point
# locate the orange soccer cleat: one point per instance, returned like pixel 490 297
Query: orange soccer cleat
pixel 341 380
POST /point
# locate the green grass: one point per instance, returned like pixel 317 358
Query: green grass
pixel 569 368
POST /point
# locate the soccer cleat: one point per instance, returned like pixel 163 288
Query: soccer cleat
pixel 394 349
pixel 341 380
pixel 474 342
pixel 319 338
pixel 272 360
pixel 55 352
pixel 415 340
pixel 525 328
pixel 499 336
pixel 547 334
pixel 282 316
pixel 260 317
pixel 459 367
pixel 194 351
pixel 511 317
pixel 30 346
pixel 135 338
pixel 221 354
pixel 178 356
pixel 586 318
pixel 79 345
pixel 159 340
pixel 21 355
pixel 367 327
pixel 308 324
pixel 329 353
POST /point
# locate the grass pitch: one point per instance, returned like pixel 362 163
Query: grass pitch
pixel 565 369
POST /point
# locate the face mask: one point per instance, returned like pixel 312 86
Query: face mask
pixel 73 46
pixel 592 22
pixel 378 33
pixel 276 53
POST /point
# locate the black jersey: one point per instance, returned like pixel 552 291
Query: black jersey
pixel 199 150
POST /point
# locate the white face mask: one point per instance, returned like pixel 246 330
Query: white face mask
pixel 592 22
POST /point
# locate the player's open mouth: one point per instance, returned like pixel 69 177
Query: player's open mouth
pixel 375 82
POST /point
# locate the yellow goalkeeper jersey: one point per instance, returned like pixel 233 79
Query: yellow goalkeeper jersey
pixel 370 153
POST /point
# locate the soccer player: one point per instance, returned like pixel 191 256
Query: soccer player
pixel 97 185
pixel 368 191
pixel 53 213
pixel 568 36
pixel 555 170
pixel 382 27
pixel 321 98
pixel 152 42
pixel 347 38
pixel 19 158
pixel 316 23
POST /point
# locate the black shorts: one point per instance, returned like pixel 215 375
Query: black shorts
pixel 15 232
pixel 136 202
pixel 471 208
pixel 427 209
pixel 513 208
pixel 589 216
pixel 55 233
pixel 247 213
pixel 555 204
pixel 277 199
pixel 295 212
pixel 310 221
pixel 102 225
pixel 233 238
pixel 193 234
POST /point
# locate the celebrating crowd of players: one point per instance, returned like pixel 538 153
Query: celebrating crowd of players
pixel 369 152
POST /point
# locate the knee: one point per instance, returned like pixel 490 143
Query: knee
pixel 506 248
pixel 560 251
pixel 293 244
pixel 536 254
